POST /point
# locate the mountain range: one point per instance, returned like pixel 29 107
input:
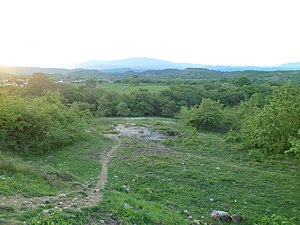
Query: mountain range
pixel 140 64
pixel 143 63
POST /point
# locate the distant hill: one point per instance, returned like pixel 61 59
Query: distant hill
pixel 290 66
pixel 31 70
pixel 143 64
pixel 85 74
pixel 137 64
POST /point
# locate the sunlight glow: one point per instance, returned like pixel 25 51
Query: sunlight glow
pixel 63 33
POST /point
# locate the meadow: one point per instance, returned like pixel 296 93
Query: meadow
pixel 125 88
pixel 172 181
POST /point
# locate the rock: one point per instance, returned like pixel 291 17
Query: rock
pixel 62 195
pixel 185 211
pixel 97 190
pixel 220 215
pixel 236 218
pixel 46 201
pixel 196 222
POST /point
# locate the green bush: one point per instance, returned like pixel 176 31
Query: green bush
pixel 295 143
pixel 37 124
pixel 271 127
pixel 209 115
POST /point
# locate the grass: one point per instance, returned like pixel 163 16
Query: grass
pixel 147 178
pixel 127 88
pixel 174 182
pixel 52 173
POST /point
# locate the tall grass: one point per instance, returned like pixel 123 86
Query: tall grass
pixel 12 165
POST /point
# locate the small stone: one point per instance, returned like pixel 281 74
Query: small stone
pixel 60 203
pixel 220 215
pixel 46 201
pixel 196 222
pixel 62 195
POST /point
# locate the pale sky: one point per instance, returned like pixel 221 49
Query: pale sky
pixel 62 33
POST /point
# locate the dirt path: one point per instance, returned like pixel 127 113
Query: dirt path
pixel 95 195
pixel 77 199
pixel 82 197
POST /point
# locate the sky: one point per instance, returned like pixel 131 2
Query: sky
pixel 63 33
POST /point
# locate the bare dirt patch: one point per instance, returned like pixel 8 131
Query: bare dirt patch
pixel 142 132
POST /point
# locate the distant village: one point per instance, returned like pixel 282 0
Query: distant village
pixel 23 82
pixel 14 82
pixel 69 81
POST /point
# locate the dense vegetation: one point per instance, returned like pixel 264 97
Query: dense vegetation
pixel 37 124
pixel 245 115
pixel 265 115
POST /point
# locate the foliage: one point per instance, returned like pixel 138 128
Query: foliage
pixel 38 83
pixel 271 127
pixel 295 145
pixel 275 220
pixel 38 124
pixel 52 219
pixel 189 136
pixel 208 115
pixel 10 165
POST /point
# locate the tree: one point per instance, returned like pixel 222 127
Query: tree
pixel 241 81
pixel 38 83
pixel 91 83
pixel 122 109
pixel 271 127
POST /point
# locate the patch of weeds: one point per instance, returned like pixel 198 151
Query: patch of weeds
pixel 275 220
pixel 131 209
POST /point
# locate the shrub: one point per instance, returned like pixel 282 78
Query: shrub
pixel 271 127
pixel 37 124
pixel 208 115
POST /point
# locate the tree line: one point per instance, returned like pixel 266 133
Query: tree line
pixel 263 115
